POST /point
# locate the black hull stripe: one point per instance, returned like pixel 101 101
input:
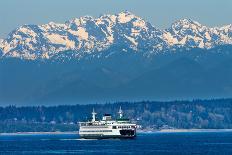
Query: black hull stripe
pixel 105 136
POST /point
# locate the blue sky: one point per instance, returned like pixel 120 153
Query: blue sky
pixel 161 13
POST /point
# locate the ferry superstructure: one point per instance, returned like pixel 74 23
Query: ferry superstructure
pixel 107 128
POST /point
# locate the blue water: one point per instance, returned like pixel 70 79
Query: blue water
pixel 152 143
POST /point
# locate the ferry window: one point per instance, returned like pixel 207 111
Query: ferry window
pixel 114 127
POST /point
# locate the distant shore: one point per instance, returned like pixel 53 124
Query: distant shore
pixel 40 133
pixel 139 131
pixel 184 130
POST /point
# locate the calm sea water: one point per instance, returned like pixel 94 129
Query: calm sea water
pixel 152 143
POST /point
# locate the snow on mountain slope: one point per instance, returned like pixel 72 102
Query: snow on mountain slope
pixel 190 33
pixel 87 35
pixel 226 34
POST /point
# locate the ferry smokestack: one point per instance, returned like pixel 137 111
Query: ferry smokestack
pixel 120 112
pixel 94 116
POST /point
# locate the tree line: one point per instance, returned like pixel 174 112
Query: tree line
pixel 202 114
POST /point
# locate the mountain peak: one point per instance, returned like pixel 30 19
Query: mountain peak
pixel 185 23
pixel 228 27
pixel 126 12
pixel 126 16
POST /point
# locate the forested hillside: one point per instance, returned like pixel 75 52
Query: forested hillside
pixel 202 114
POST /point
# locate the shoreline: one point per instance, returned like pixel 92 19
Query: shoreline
pixel 184 130
pixel 138 131
pixel 41 133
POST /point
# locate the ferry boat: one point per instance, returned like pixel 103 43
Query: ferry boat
pixel 107 127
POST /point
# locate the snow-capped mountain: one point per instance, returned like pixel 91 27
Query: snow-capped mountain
pixel 87 35
pixel 190 33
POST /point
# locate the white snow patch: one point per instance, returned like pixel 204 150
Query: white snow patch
pixel 132 40
pixel 99 21
pixel 226 28
pixel 170 39
pixel 51 26
pixel 124 18
pixel 135 32
pixel 110 39
pixel 207 36
pixel 201 45
pixel 196 39
pixel 1 43
pixel 113 18
pixel 88 45
pixel 58 39
pixel 76 21
pixel 139 23
pixel 82 33
pixel 183 41
pixel 27 31
pixel 6 47
pixel 45 55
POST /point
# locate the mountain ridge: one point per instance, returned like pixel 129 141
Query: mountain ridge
pixel 88 35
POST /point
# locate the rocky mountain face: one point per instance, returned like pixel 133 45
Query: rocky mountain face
pixel 88 35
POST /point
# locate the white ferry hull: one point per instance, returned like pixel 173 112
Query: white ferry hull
pixel 109 135
pixel 106 133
